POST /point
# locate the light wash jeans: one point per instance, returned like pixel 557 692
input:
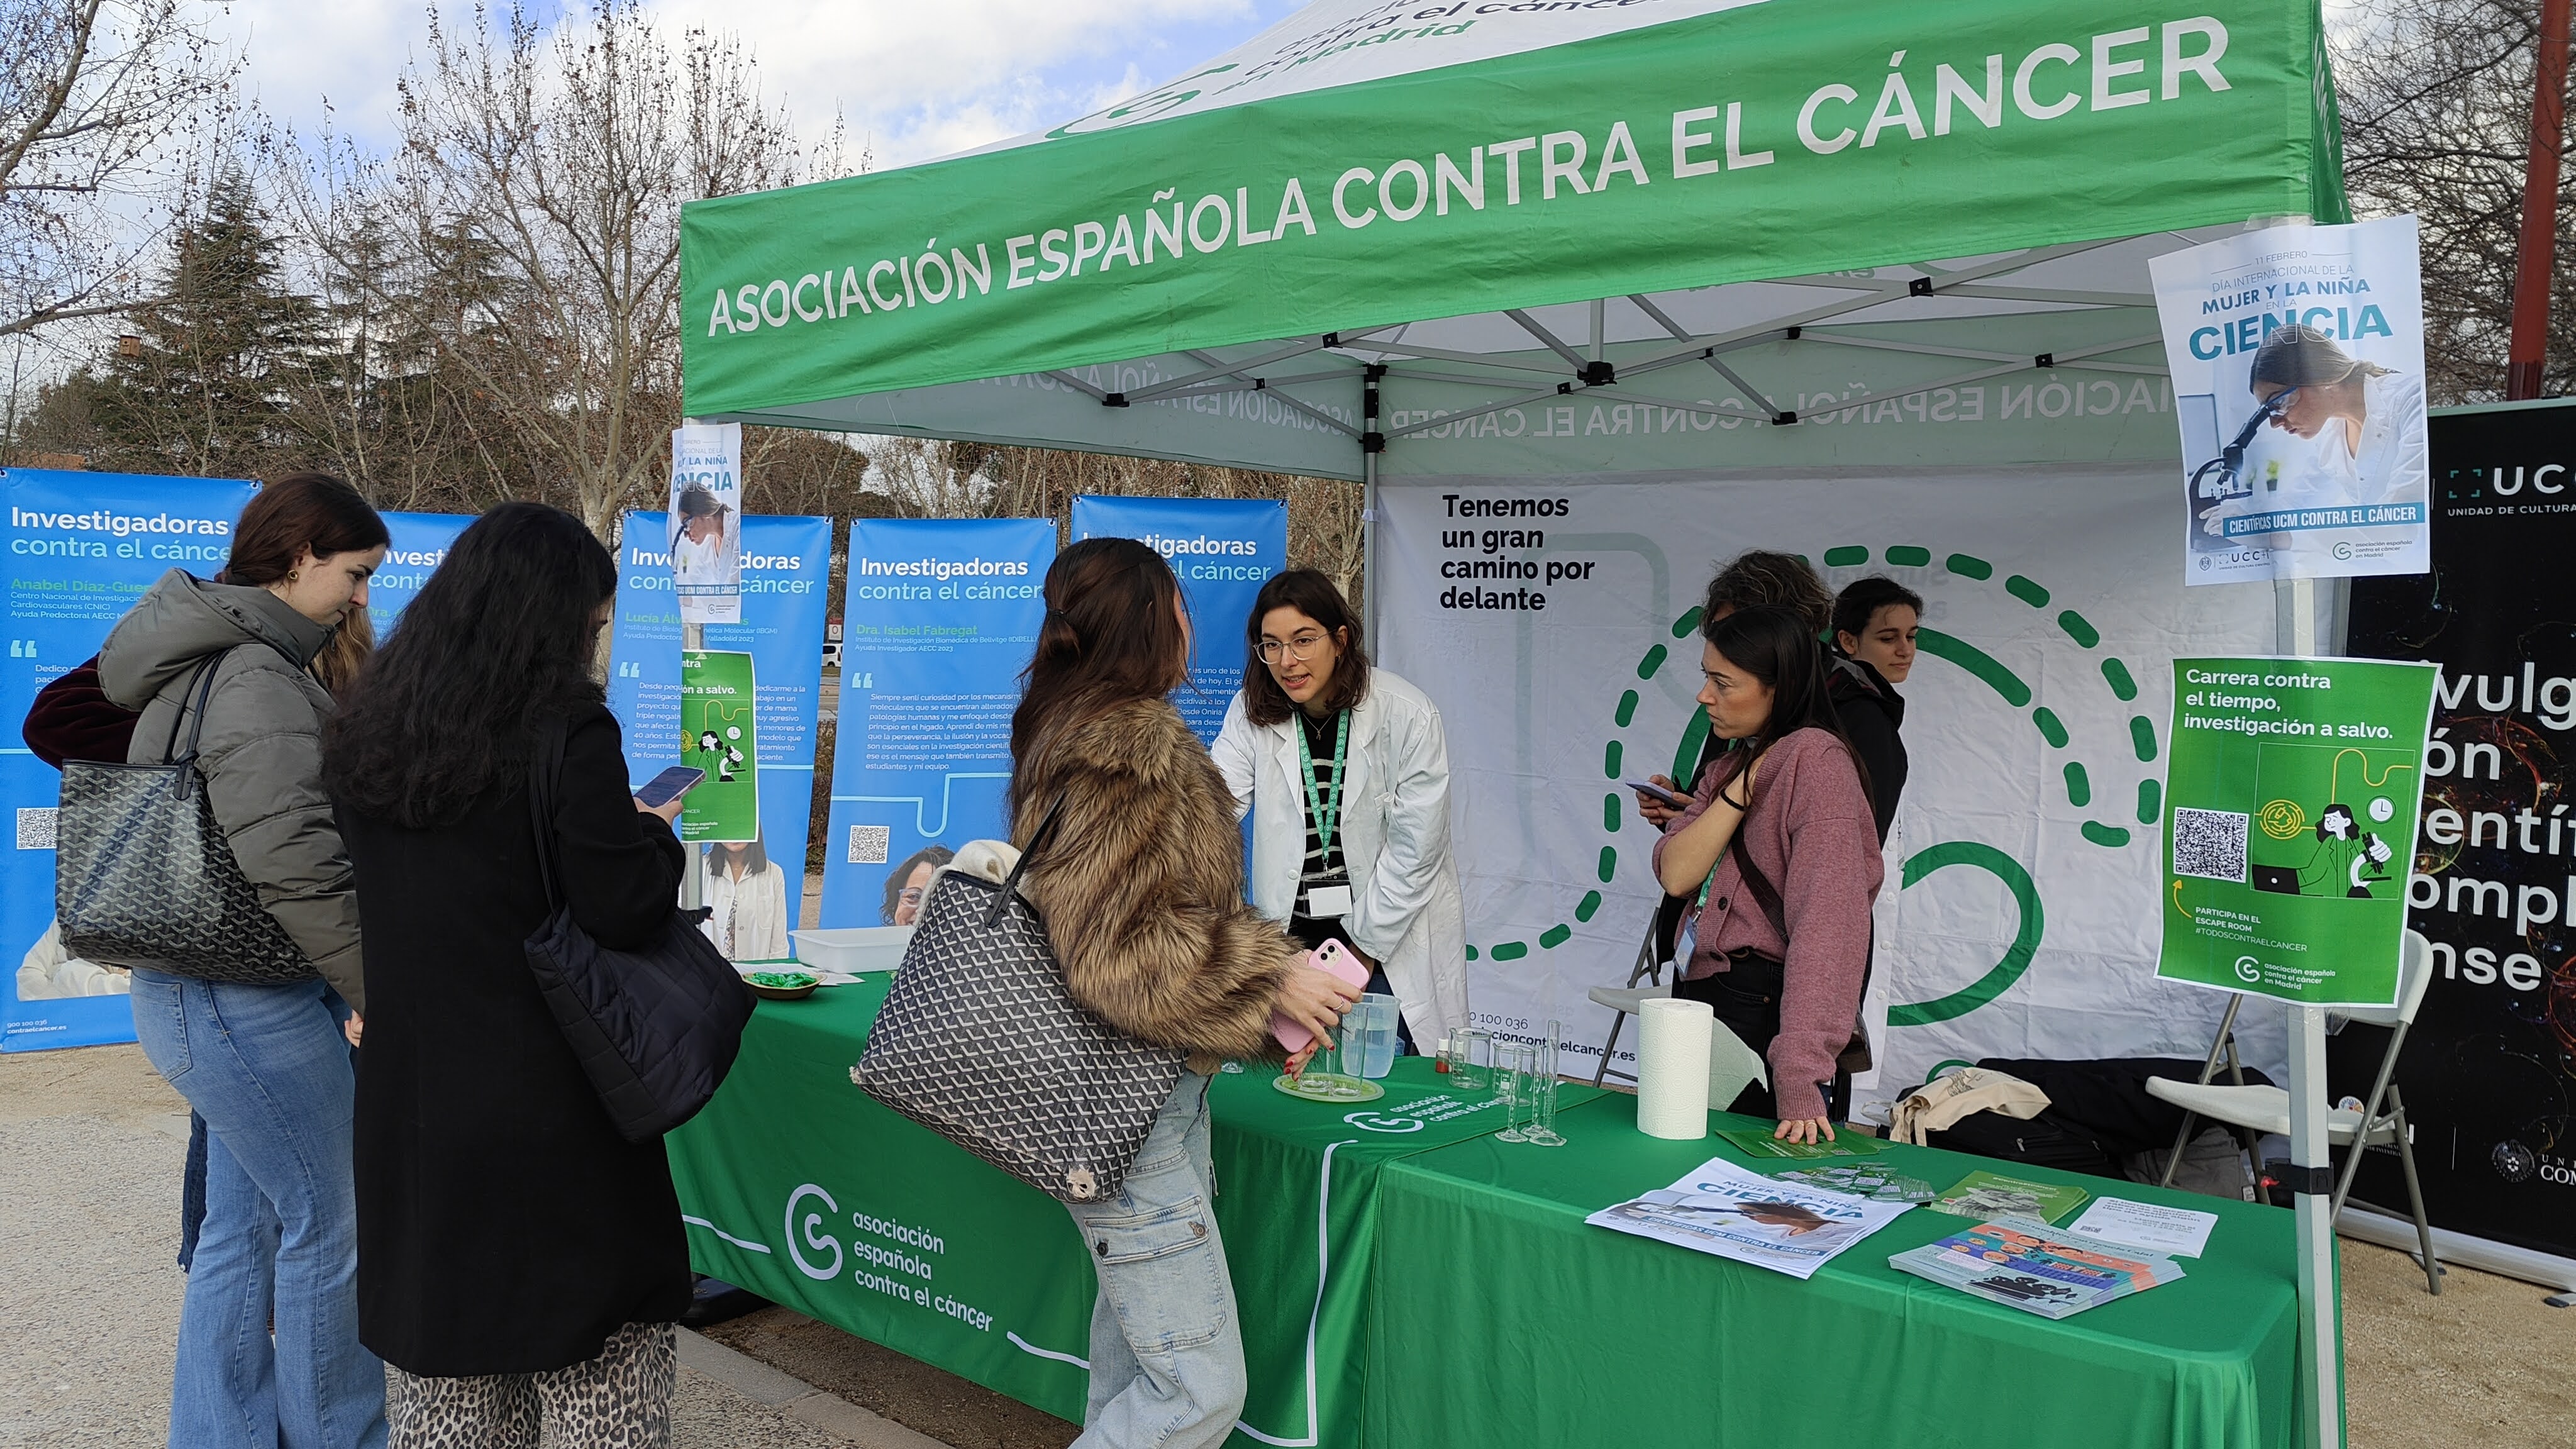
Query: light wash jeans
pixel 268 1069
pixel 1166 1346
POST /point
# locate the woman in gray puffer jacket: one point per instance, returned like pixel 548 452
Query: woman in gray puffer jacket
pixel 265 1065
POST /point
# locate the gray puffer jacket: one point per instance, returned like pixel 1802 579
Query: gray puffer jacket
pixel 261 750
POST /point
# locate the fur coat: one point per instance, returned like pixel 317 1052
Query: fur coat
pixel 1141 887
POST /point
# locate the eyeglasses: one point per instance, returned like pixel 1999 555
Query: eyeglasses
pixel 1302 648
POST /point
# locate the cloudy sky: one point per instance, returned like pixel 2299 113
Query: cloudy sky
pixel 913 78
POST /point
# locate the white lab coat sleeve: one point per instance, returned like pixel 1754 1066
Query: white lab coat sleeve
pixel 1238 755
pixel 1417 834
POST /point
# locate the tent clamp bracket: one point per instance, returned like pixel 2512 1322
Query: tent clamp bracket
pixel 1113 400
pixel 1791 334
pixel 2045 359
pixel 1919 287
pixel 1784 420
pixel 1372 442
pixel 1599 372
pixel 2306 1181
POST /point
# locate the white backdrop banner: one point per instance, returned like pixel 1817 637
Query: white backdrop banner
pixel 1555 623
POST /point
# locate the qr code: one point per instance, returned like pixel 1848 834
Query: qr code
pixel 2209 844
pixel 868 844
pixel 36 828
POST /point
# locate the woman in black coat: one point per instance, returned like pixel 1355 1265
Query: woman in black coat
pixel 517 1259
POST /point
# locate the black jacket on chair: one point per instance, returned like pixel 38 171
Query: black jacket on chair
pixel 503 1224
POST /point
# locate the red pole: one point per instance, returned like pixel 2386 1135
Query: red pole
pixel 2538 252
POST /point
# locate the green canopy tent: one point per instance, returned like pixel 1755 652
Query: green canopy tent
pixel 1391 242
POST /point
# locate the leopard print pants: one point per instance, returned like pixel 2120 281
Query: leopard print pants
pixel 619 1400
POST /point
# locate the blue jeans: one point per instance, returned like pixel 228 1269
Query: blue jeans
pixel 267 1068
pixel 1166 1346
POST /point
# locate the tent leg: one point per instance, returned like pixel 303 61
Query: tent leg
pixel 2320 1309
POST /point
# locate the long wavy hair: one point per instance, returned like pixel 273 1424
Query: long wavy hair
pixel 1310 593
pixel 1112 634
pixel 499 640
pixel 1777 646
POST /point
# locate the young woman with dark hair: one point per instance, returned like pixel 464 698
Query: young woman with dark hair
pixel 476 1126
pixel 266 1067
pixel 747 892
pixel 1779 852
pixel 1345 772
pixel 1875 621
pixel 1141 888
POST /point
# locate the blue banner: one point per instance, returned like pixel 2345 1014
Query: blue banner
pixel 1223 549
pixel 82 547
pixel 786 563
pixel 420 545
pixel 938 620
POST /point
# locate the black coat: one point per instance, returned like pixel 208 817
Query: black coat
pixel 1873 714
pixel 503 1225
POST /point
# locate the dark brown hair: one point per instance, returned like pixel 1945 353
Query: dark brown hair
pixel 1776 646
pixel 1309 593
pixel 299 511
pixel 1759 578
pixel 1861 599
pixel 1112 634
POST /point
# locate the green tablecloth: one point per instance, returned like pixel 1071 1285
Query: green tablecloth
pixel 800 1188
pixel 1501 1317
pixel 1404 1280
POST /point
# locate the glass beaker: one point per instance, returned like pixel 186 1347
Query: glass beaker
pixel 1371 1028
pixel 1514 1066
pixel 1471 1059
pixel 1541 1090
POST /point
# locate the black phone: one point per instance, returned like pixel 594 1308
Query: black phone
pixel 670 785
pixel 1676 801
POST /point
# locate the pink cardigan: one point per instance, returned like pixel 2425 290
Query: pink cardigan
pixel 1811 833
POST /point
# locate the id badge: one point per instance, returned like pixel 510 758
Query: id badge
pixel 1328 903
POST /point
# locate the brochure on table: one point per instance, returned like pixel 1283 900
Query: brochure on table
pixel 1721 1209
pixel 2026 1264
pixel 1993 1195
pixel 2182 1232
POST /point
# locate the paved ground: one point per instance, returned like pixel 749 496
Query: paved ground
pixel 91 1144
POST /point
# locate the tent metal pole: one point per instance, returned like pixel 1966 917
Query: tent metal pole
pixel 2311 1163
pixel 1371 444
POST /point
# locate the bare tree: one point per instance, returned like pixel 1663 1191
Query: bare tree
pixel 2436 99
pixel 92 94
pixel 559 163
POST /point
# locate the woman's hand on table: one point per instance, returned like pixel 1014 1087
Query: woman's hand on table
pixel 1804 1129
pixel 1315 1000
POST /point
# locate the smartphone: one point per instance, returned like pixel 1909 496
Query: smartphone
pixel 669 785
pixel 1671 798
pixel 1332 956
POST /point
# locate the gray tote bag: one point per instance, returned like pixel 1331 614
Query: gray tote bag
pixel 144 876
pixel 981 1043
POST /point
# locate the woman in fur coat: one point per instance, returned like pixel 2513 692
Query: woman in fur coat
pixel 1141 888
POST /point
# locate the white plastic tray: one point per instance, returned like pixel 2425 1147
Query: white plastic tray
pixel 853 948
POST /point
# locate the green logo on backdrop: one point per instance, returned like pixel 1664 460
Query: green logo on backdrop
pixel 2016 692
pixel 2294 788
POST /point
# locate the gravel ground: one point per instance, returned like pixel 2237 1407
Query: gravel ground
pixel 91 1146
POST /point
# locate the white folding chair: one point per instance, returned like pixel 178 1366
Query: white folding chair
pixel 2267 1109
pixel 1623 1001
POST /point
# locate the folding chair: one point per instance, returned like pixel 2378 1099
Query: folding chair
pixel 2267 1109
pixel 1624 1001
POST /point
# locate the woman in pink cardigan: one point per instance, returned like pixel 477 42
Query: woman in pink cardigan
pixel 1781 851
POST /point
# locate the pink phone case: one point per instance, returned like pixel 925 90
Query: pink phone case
pixel 1332 956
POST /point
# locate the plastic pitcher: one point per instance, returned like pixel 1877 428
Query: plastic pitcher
pixel 1371 1026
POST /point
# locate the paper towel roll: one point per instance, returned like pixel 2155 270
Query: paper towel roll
pixel 1672 1068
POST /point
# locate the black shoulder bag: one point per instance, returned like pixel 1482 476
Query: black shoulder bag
pixel 1855 1056
pixel 656 1028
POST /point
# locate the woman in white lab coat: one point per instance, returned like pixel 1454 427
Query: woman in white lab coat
pixel 2366 421
pixel 747 892
pixel 1315 735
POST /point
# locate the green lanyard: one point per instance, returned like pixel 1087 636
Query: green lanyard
pixel 1325 812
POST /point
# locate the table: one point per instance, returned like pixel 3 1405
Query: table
pixel 1503 1318
pixel 798 1186
pixel 1406 1280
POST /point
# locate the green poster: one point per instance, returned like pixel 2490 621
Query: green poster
pixel 2290 804
pixel 719 734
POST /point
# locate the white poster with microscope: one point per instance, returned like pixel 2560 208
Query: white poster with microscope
pixel 2298 373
